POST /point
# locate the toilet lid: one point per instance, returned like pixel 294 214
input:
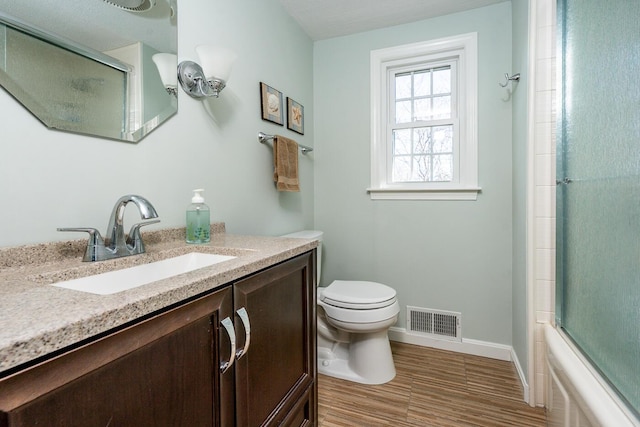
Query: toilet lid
pixel 358 294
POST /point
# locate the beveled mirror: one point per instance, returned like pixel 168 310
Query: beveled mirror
pixel 86 66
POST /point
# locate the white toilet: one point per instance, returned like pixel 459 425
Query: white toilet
pixel 353 320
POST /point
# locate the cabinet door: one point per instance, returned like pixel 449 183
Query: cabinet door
pixel 280 365
pixel 303 414
pixel 163 371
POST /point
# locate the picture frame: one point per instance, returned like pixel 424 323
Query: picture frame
pixel 272 105
pixel 295 116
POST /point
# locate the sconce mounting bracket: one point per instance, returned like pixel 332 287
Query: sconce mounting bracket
pixel 194 82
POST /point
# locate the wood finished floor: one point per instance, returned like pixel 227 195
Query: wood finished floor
pixel 431 388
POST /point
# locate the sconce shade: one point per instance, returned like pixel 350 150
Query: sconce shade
pixel 210 78
pixel 167 63
pixel 216 61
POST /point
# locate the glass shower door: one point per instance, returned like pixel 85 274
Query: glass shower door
pixel 598 192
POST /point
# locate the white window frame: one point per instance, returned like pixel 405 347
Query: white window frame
pixel 385 63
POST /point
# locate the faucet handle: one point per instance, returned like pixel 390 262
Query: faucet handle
pixel 134 240
pixel 94 234
pixel 95 244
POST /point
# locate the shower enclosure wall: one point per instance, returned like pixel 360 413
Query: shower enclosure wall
pixel 598 215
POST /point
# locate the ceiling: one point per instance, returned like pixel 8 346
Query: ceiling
pixel 320 19
pixel 323 19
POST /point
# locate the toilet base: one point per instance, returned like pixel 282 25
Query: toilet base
pixel 366 359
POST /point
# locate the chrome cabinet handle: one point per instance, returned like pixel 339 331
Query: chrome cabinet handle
pixel 242 313
pixel 228 326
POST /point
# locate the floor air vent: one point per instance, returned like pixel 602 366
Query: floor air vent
pixel 434 323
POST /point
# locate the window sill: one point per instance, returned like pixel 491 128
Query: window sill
pixel 444 193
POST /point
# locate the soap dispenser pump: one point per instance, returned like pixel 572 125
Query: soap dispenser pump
pixel 198 219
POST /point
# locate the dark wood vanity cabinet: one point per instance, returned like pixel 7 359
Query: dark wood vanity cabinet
pixel 275 382
pixel 160 371
pixel 167 370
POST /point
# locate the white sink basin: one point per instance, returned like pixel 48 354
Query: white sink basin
pixel 132 277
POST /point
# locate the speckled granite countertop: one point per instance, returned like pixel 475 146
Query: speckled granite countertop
pixel 37 319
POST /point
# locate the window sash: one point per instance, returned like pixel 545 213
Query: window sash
pixel 425 66
pixel 429 153
pixel 393 126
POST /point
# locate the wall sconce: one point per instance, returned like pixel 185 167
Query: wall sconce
pixel 212 77
pixel 166 63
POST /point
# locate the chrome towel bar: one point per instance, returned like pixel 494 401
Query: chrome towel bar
pixel 263 138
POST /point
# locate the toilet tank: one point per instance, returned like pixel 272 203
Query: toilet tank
pixel 313 235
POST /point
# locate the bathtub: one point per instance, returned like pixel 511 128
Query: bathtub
pixel 576 394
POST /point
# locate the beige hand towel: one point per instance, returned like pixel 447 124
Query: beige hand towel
pixel 285 160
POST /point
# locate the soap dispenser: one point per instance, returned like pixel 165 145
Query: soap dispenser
pixel 198 220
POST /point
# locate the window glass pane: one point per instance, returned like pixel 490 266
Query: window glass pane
pixel 423 109
pixel 443 139
pixel 442 107
pixel 402 141
pixel 422 83
pixel 403 85
pixel 442 80
pixel 421 169
pixel 401 169
pixel 403 112
pixel 423 154
pixel 443 167
pixel 422 140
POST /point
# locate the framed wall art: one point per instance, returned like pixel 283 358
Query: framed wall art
pixel 272 105
pixel 295 116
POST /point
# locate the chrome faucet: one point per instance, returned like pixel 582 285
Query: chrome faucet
pixel 116 244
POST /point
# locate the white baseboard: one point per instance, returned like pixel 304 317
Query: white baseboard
pixel 467 346
pixel 523 378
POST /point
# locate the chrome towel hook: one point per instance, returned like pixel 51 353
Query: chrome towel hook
pixel 514 78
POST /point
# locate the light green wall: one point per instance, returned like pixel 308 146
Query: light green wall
pixel 52 179
pixel 436 254
pixel 520 100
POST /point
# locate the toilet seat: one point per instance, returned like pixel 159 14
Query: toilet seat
pixel 358 302
pixel 358 295
pixel 350 315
